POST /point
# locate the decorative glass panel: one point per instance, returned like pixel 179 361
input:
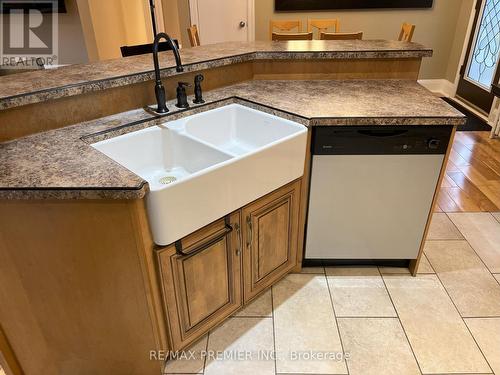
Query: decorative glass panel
pixel 483 61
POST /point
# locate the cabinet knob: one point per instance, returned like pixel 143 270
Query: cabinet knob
pixel 242 24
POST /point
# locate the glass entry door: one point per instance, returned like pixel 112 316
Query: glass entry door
pixel 480 69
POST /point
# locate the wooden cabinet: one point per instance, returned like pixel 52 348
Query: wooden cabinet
pixel 270 228
pixel 206 276
pixel 201 280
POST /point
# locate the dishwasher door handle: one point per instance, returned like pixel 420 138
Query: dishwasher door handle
pixel 382 133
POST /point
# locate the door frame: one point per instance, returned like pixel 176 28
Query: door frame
pixel 194 16
pixel 469 43
pixel 464 46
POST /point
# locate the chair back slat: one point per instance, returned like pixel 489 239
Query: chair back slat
pixel 291 36
pixel 194 37
pixel 284 26
pixel 341 36
pixel 406 33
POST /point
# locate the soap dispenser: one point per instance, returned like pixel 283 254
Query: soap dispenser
pixel 181 95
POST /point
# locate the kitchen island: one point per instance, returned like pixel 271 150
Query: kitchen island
pixel 86 289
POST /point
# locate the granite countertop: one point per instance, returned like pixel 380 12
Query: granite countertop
pixel 38 86
pixel 61 164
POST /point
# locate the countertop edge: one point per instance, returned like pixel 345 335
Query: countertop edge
pixel 80 88
pixel 139 191
pixel 74 193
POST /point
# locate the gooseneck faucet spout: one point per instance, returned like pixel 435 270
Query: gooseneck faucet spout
pixel 161 98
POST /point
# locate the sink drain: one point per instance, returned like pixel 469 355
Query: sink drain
pixel 167 180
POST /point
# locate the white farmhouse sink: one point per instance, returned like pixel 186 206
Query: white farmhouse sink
pixel 202 167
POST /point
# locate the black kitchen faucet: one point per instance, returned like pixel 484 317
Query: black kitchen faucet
pixel 161 98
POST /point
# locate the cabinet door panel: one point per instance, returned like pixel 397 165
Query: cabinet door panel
pixel 206 282
pixel 270 230
pixel 204 287
pixel 273 238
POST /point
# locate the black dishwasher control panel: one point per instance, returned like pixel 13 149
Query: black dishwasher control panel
pixel 380 140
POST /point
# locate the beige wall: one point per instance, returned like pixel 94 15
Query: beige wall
pixel 71 40
pixel 435 28
pixel 177 19
pixel 184 21
pixel 171 17
pixel 459 39
pixel 110 24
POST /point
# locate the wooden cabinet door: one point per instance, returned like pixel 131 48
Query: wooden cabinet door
pixel 202 288
pixel 270 233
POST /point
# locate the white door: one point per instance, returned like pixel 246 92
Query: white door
pixel 223 20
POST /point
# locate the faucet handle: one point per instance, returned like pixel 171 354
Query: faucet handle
pixel 198 79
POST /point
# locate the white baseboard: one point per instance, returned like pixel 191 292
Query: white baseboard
pixel 441 87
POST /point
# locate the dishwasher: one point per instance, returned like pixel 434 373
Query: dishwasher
pixel 371 190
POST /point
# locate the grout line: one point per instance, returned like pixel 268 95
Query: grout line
pixel 369 317
pixel 472 247
pixel 463 320
pixel 429 262
pixel 336 322
pixel 401 323
pixel 494 217
pixel 206 351
pixel 274 332
pixel 447 239
pixel 452 222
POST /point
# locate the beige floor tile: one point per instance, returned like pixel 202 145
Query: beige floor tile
pixel 377 346
pixel 304 323
pixel 423 268
pixel 189 361
pixel 487 334
pixel 442 228
pixel 497 276
pixel 318 270
pixel 496 215
pixel 241 346
pixel 437 333
pixel 261 306
pixel 483 233
pixel 359 292
pixel 470 285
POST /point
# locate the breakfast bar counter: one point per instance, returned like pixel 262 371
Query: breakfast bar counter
pixel 61 164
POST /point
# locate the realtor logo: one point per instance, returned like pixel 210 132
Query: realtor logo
pixel 29 33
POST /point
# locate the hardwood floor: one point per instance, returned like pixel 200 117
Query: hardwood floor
pixel 472 180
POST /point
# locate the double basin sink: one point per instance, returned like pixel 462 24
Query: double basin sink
pixel 204 166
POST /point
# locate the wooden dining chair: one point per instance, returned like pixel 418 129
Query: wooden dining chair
pixel 194 37
pixel 341 36
pixel 323 25
pixel 406 33
pixel 284 26
pixel 291 36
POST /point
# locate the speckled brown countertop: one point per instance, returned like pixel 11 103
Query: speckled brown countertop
pixel 61 163
pixel 38 86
